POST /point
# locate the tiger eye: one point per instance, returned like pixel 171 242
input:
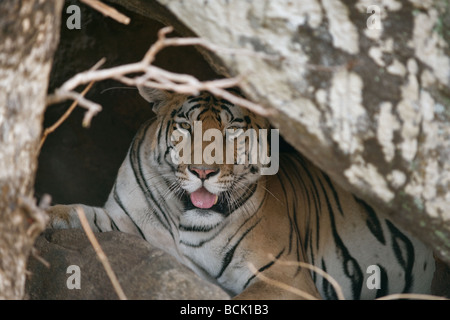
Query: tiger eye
pixel 185 125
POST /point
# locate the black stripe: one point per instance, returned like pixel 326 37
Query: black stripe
pixel 226 102
pixel 404 252
pixel 294 223
pixel 158 139
pixel 301 237
pixel 215 110
pixel 317 209
pixel 201 113
pixel 113 225
pixel 373 223
pixel 111 221
pixel 224 107
pixel 169 124
pixel 119 202
pixel 384 283
pixel 201 98
pixel 317 202
pixel 230 253
pixel 265 267
pixel 201 243
pixel 230 238
pixel 136 165
pixel 350 265
pixel 308 221
pixel 95 221
pixel 291 228
pixel 191 109
pixel 168 150
pixel 154 202
pixel 197 228
pixel 335 195
pixel 312 260
pixel 327 289
pixel 314 193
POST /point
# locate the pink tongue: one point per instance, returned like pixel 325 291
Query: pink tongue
pixel 203 199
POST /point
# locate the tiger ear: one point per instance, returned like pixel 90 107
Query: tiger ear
pixel 158 98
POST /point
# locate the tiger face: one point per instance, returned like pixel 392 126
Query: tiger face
pixel 208 179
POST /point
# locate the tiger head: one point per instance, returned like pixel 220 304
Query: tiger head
pixel 194 138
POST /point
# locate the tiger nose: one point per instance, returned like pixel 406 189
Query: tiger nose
pixel 202 172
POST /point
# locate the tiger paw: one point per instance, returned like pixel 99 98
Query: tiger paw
pixel 60 216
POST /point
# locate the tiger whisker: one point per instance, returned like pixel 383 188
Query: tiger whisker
pixel 234 193
pixel 269 192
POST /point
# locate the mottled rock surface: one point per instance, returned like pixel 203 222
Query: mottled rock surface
pixel 361 89
pixel 143 271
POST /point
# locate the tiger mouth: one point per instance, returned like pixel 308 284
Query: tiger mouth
pixel 204 200
pixel 221 203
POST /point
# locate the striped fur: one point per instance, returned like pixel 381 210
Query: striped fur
pixel 297 215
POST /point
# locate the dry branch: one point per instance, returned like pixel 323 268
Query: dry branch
pixel 303 294
pixel 101 254
pixel 332 281
pixel 36 216
pixel 66 114
pixel 325 275
pixel 107 11
pixel 152 76
pixel 414 296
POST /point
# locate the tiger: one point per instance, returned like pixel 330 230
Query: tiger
pixel 256 236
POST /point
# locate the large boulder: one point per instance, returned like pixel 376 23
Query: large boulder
pixel 143 271
pixel 361 88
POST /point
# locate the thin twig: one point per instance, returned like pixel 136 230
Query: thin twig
pixel 107 11
pixel 335 284
pixel 101 255
pixel 416 296
pixel 92 107
pixel 256 108
pixel 152 76
pixel 35 215
pixel 66 114
pixel 281 285
pixel 35 254
pixel 62 95
pixel 330 279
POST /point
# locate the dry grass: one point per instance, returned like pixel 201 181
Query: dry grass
pixel 101 254
pixel 305 295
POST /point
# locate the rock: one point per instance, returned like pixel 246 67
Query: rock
pixel 365 103
pixel 143 271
